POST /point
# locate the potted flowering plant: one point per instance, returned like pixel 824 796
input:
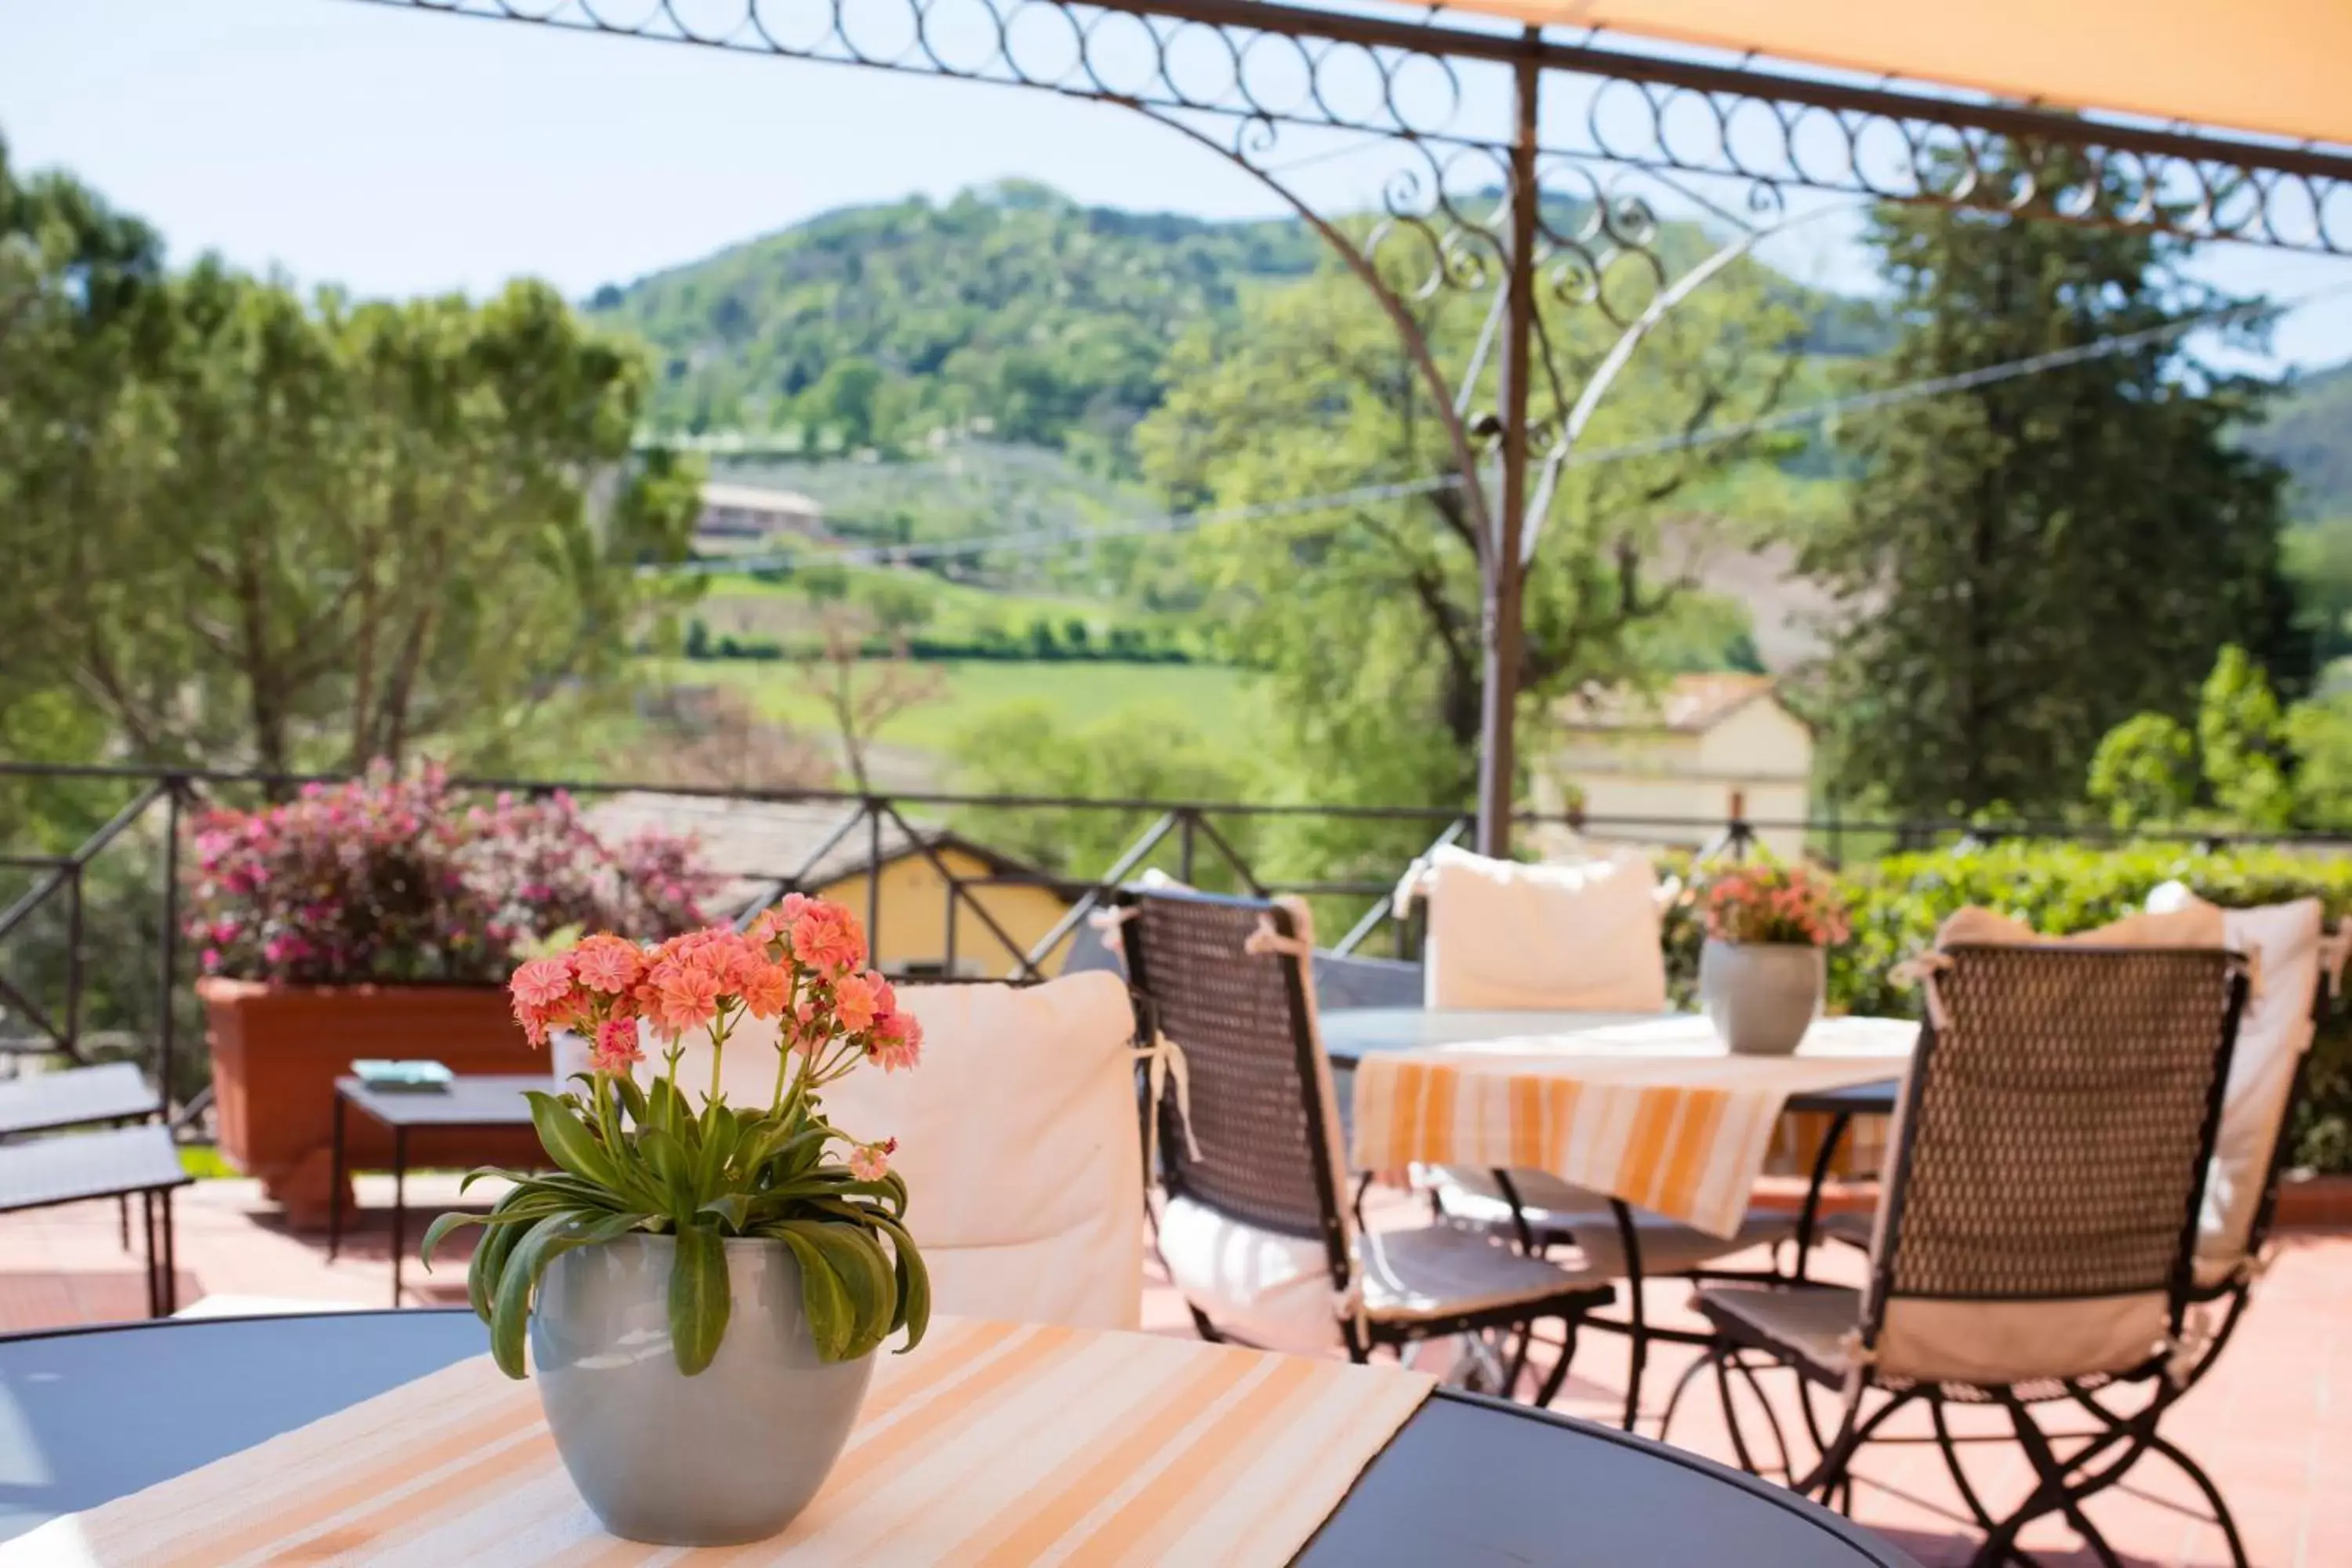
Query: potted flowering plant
pixel 376 918
pixel 703 1287
pixel 1761 972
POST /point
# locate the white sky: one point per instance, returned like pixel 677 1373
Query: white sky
pixel 399 152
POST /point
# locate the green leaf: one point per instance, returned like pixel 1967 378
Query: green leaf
pixel 697 1297
pixel 633 1099
pixel 438 1231
pixel 546 1241
pixel 719 1144
pixel 914 1313
pixel 733 1210
pixel 823 1298
pixel 568 1141
pixel 674 1167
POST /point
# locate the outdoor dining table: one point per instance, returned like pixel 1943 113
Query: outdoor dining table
pixel 91 1415
pixel 1648 1108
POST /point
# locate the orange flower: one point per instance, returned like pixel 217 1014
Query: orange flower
pixel 857 1000
pixel 828 938
pixel 607 964
pixel 686 996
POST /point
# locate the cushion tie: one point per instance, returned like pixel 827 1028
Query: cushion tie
pixel 1265 939
pixel 1921 971
pixel 1163 1061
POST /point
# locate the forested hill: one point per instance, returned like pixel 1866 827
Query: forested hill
pixel 1011 304
pixel 1013 311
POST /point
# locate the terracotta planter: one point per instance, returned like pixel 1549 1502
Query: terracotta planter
pixel 276 1051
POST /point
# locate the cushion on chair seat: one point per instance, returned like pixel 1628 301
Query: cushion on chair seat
pixel 1553 1207
pixel 1810 1322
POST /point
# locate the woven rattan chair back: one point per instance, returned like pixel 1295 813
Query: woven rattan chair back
pixel 1243 1021
pixel 2058 1124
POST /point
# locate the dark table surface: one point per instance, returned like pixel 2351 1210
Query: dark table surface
pixel 1350 1034
pixel 490 1099
pixel 74 1097
pixel 91 1415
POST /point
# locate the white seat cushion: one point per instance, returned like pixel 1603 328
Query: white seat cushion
pixel 1581 937
pixel 1275 1291
pixel 1017 1136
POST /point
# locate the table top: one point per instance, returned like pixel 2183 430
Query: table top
pixel 1352 1034
pixel 89 1416
pixel 74 1096
pixel 485 1100
pixel 66 1169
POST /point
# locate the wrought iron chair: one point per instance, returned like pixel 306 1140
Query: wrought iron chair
pixel 1253 1224
pixel 2036 1243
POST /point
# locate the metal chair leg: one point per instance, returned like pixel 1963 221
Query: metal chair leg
pixel 2204 1483
pixel 1673 1399
pixel 1554 1379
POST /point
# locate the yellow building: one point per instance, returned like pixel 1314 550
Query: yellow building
pixel 907 895
pixel 1673 768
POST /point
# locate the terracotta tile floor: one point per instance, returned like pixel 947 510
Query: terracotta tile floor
pixel 2268 1423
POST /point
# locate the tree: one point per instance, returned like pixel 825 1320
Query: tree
pixel 251 528
pixel 2144 772
pixel 862 694
pixel 2025 563
pixel 1364 615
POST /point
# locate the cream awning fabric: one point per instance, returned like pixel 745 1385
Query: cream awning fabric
pixel 2275 66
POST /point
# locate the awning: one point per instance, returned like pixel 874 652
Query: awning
pixel 2274 66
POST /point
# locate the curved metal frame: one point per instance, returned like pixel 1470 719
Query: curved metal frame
pixel 1466 97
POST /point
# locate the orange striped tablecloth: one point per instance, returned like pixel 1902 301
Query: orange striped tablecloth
pixel 1655 1112
pixel 992 1444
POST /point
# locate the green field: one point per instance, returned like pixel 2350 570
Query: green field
pixel 1080 691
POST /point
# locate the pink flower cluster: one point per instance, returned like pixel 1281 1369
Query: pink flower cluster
pixel 391 878
pixel 801 962
pixel 1768 902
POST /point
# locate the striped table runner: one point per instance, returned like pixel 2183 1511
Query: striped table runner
pixel 1654 1113
pixel 993 1444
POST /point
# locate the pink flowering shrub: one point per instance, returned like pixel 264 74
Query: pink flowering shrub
pixel 634 1156
pixel 390 877
pixel 1765 902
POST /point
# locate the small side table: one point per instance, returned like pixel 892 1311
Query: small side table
pixel 484 1102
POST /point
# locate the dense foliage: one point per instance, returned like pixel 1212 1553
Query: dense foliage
pixel 637 1157
pixel 2027 562
pixel 248 527
pixel 1012 310
pixel 394 878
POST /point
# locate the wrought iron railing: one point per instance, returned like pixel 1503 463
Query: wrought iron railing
pixel 83 931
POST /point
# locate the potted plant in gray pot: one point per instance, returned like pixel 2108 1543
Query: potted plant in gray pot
pixel 1762 971
pixel 702 1289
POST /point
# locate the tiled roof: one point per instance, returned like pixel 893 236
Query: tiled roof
pixel 1690 703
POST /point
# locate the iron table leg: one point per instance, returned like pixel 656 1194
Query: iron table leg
pixel 335 1191
pixel 155 1286
pixel 171 1259
pixel 1811 1214
pixel 399 1204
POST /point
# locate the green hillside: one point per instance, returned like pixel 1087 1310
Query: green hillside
pixel 1011 312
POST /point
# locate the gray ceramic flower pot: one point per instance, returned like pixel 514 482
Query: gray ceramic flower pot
pixel 730 1455
pixel 1761 997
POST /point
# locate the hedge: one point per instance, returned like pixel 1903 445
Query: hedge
pixel 1896 903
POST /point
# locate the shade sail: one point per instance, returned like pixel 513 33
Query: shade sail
pixel 2275 66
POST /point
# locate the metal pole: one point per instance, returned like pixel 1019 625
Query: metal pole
pixel 169 963
pixel 1501 573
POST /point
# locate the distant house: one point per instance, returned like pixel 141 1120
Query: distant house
pixel 1686 759
pixel 765 849
pixel 737 514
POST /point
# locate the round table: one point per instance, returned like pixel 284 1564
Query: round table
pixel 92 1414
pixel 1352 1034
